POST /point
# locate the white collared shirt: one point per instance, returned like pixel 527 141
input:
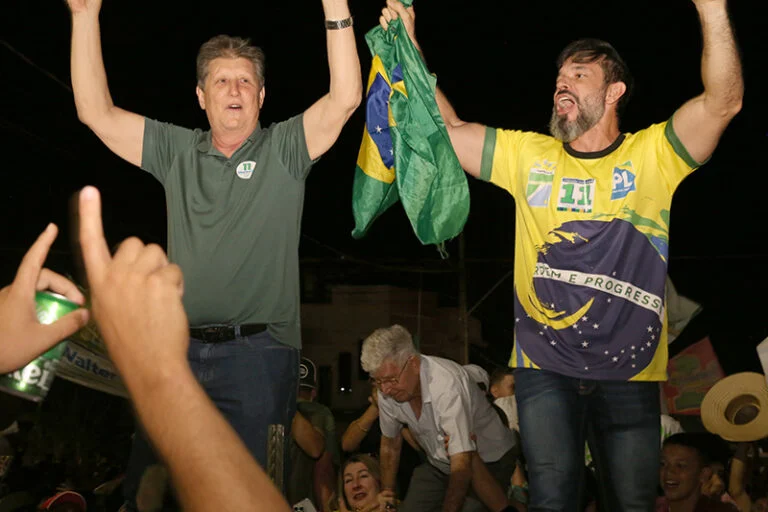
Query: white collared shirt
pixel 452 404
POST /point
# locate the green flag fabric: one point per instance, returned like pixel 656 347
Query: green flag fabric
pixel 406 153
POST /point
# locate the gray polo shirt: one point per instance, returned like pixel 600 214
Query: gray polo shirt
pixel 233 223
pixel 453 404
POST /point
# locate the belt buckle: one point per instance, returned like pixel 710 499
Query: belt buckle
pixel 212 334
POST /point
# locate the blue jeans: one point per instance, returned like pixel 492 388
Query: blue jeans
pixel 253 380
pixel 619 420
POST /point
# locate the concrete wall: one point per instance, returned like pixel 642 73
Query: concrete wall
pixel 355 311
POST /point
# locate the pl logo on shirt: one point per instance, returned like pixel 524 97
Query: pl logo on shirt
pixel 623 181
pixel 245 169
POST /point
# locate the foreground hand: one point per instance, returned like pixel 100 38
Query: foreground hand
pixel 387 500
pixel 395 10
pixel 22 336
pixel 136 297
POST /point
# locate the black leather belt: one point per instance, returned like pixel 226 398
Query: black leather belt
pixel 220 333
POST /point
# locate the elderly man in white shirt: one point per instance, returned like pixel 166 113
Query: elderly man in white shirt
pixel 438 399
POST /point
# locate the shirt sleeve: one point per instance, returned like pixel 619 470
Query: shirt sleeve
pixel 390 426
pixel 501 151
pixel 162 143
pixel 290 144
pixel 453 413
pixel 672 159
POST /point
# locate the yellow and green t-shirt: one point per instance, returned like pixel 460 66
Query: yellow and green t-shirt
pixel 591 246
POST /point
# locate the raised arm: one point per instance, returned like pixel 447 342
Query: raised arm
pixel 738 477
pixel 120 130
pixel 324 120
pixel 467 138
pixel 700 122
pixel 359 428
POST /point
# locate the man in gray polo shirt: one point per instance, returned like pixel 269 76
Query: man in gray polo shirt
pixel 234 199
pixel 449 416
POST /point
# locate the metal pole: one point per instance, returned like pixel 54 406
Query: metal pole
pixel 463 327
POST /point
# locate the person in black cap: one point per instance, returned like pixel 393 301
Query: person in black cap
pixel 313 477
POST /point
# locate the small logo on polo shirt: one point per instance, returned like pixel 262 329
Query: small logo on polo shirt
pixel 245 169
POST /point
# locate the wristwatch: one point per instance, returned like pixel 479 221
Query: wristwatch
pixel 338 24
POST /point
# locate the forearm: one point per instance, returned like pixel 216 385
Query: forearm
pixel 390 460
pixel 218 474
pixel 721 71
pixel 89 79
pixel 486 487
pixel 736 478
pixel 358 429
pixel 458 482
pixel 344 64
pixel 307 437
pixel 324 480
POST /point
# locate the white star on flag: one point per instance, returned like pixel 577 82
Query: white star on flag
pixel 595 326
pixel 378 129
pixel 541 333
pixel 586 367
pixel 650 329
pixel 609 300
pixel 642 349
pixel 553 343
pixel 634 356
pixel 649 343
pixel 585 344
pixel 632 347
pixel 653 336
pixel 606 352
pixel 584 318
pixel 615 359
pixel 575 326
pixel 633 365
pixel 517 320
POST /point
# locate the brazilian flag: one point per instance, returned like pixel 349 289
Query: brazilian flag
pixel 406 153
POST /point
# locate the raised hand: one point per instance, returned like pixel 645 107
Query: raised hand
pixel 22 336
pixel 395 10
pixel 136 300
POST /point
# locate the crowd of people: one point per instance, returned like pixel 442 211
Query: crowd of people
pixel 208 341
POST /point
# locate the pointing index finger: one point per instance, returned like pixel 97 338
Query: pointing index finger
pixel 95 251
pixel 33 260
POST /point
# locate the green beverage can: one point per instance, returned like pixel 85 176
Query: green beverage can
pixel 34 380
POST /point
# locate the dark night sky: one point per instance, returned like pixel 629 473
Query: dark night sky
pixel 494 59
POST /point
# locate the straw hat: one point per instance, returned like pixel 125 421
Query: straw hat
pixel 736 407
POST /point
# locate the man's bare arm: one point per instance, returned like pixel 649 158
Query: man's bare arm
pixel 309 439
pixel 324 120
pixel 120 130
pixel 458 481
pixel 700 122
pixel 136 301
pixel 389 458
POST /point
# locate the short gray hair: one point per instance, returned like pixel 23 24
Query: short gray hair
pixel 393 343
pixel 228 47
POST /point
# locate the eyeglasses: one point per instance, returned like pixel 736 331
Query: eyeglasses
pixel 380 383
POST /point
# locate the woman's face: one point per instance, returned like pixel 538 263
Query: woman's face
pixel 360 488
